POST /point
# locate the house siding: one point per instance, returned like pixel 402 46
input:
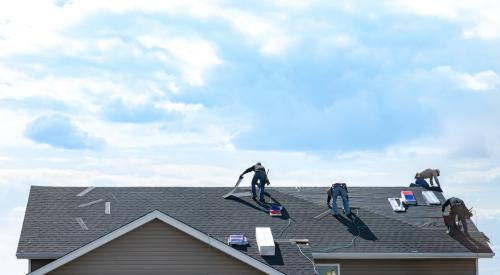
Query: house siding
pixel 405 267
pixel 155 248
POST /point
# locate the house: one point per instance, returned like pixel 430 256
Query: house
pixel 176 230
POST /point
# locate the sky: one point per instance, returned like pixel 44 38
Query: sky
pixel 190 93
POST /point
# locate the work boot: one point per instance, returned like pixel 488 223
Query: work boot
pixel 253 197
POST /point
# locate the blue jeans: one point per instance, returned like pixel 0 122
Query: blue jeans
pixel 339 191
pixel 421 182
pixel 261 178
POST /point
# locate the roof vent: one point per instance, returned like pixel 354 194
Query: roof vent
pixel 430 198
pixel 407 197
pixel 265 241
pixel 107 208
pixel 397 205
pixel 237 239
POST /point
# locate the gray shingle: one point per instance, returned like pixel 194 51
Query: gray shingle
pixel 50 227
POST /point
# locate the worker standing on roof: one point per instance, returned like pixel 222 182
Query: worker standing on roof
pixel 338 189
pixel 431 174
pixel 457 209
pixel 260 176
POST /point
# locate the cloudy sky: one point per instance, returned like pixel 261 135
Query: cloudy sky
pixel 190 93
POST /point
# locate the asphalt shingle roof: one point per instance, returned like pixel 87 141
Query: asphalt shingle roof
pixel 50 228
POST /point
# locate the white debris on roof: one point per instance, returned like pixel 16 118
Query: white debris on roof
pixel 84 192
pixel 90 203
pixel 81 223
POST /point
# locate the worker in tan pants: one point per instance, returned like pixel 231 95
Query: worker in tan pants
pixel 431 174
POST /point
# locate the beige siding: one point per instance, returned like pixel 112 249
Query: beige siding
pixel 406 267
pixel 155 248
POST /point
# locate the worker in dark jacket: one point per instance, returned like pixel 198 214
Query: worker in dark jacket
pixel 457 209
pixel 260 176
pixel 338 189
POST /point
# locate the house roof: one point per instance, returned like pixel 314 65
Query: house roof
pixel 51 227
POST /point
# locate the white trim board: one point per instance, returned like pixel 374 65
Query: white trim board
pixel 355 256
pixel 168 220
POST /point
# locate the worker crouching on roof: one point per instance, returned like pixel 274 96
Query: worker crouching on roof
pixel 260 176
pixel 457 209
pixel 431 174
pixel 338 189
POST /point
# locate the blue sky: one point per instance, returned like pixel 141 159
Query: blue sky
pixel 190 93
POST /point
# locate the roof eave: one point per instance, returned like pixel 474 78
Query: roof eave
pixel 354 256
pixel 38 256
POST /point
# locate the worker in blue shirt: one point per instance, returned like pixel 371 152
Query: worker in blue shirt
pixel 260 178
pixel 338 189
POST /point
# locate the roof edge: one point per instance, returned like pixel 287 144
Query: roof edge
pixel 168 220
pixel 353 256
pixel 38 256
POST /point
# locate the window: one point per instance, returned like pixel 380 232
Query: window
pixel 328 269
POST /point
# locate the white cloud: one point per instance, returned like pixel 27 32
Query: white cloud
pixel 265 32
pixel 10 228
pixel 195 56
pixel 179 107
pixel 88 97
pixel 74 91
pixel 15 122
pixel 488 213
pixel 479 18
pixel 481 81
pixel 41 27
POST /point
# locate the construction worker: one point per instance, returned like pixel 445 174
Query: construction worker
pixel 260 176
pixel 431 174
pixel 457 209
pixel 338 189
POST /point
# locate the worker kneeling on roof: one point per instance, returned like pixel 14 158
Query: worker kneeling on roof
pixel 431 174
pixel 338 189
pixel 260 176
pixel 457 209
